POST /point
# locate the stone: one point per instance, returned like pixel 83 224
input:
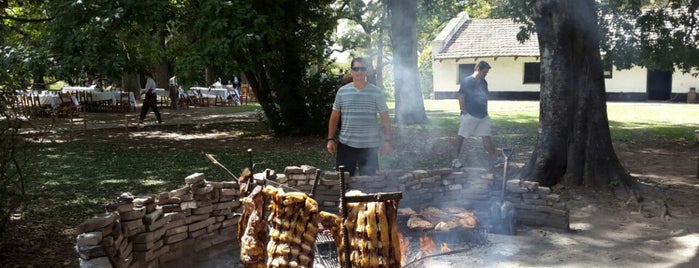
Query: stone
pixel 91 252
pixel 156 224
pixel 194 178
pixel 136 213
pixel 176 230
pixel 175 223
pixel 202 210
pixel 151 254
pixel 99 221
pixel 146 246
pixel 201 224
pixel 169 201
pixel 188 205
pixel 197 233
pixel 180 192
pixel 153 216
pixel 196 218
pixel 175 238
pixel 293 170
pixel 89 239
pixel 213 227
pixel 95 263
pixel 203 190
pixel 144 200
pixel 171 208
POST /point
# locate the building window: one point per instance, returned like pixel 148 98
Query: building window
pixel 464 71
pixel 532 73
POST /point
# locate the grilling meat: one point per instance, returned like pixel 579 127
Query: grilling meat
pixel 294 222
pixel 254 239
pixel 416 222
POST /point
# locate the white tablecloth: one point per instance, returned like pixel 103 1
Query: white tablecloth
pixel 113 96
pixel 54 100
pixel 68 89
pixel 213 92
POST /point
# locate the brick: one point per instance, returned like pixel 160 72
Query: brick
pixel 89 239
pixel 230 192
pixel 91 252
pixel 95 263
pixel 180 192
pixel 204 190
pixel 153 216
pixel 97 222
pixel 194 178
pixel 146 246
pixel 136 213
pixel 175 223
pixel 169 201
pixel 188 205
pixel 144 200
pixel 202 210
pixel 196 218
pixel 171 208
pixel 197 233
pixel 175 238
pixel 201 224
pixel 176 230
pixel 157 224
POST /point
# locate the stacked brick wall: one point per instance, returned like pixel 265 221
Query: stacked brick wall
pixel 153 230
pixel 161 229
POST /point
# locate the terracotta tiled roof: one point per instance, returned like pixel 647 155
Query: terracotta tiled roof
pixel 488 38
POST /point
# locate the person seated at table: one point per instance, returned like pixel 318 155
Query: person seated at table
pixel 151 100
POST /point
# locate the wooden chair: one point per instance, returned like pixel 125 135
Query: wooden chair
pixel 124 103
pixel 70 109
pixel 245 94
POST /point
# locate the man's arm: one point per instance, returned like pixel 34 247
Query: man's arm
pixel 462 102
pixel 331 144
pixel 386 123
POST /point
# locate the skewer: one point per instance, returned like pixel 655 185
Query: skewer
pixel 343 205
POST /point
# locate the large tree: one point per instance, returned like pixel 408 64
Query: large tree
pixel 574 143
pixel 410 109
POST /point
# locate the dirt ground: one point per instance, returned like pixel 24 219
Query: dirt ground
pixel 662 231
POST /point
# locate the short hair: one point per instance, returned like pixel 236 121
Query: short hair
pixel 360 59
pixel 481 65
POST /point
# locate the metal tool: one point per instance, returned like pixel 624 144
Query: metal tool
pixel 503 212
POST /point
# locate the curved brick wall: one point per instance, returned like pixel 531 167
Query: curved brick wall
pixel 199 218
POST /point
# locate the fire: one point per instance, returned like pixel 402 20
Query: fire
pixel 444 247
pixel 404 247
pixel 427 245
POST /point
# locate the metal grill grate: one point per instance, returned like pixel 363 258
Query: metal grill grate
pixel 326 252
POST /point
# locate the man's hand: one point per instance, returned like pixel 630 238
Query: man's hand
pixel 331 146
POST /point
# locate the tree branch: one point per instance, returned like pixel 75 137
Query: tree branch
pixel 25 19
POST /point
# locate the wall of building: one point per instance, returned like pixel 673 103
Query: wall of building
pixel 506 79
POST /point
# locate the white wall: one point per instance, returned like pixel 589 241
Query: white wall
pixel 508 74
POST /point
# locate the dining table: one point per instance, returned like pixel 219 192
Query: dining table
pixel 218 93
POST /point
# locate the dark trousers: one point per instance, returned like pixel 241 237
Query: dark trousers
pixel 151 101
pixel 364 159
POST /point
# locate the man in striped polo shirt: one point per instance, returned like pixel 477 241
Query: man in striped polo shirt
pixel 360 136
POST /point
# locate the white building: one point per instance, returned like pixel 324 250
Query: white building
pixel 515 74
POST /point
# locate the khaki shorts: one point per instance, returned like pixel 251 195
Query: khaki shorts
pixel 472 126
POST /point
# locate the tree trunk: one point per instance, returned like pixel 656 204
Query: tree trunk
pixel 574 144
pixel 410 108
pixel 131 82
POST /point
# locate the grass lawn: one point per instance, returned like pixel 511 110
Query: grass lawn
pixel 72 177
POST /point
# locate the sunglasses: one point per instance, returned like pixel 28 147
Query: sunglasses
pixel 359 69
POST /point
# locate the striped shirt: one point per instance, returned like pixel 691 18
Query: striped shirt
pixel 359 109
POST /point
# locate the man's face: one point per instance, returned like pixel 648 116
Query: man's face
pixel 482 73
pixel 359 71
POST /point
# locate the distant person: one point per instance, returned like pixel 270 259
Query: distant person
pixel 360 137
pixel 473 102
pixel 236 82
pixel 151 100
